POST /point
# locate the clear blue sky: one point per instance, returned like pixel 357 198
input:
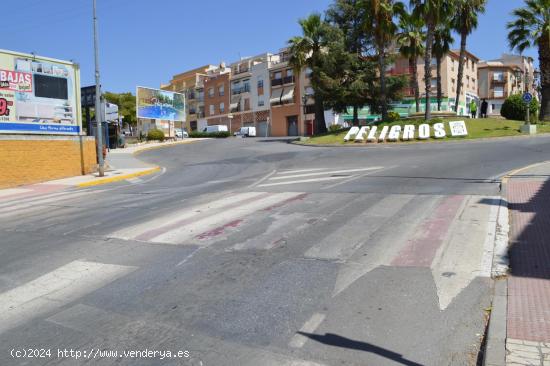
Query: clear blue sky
pixel 146 42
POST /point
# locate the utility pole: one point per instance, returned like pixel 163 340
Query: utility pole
pixel 98 112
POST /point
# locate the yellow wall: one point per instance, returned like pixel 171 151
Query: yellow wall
pixel 33 159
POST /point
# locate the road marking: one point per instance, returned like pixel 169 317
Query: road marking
pixel 299 340
pixel 55 289
pixel 31 205
pixel 264 178
pixel 326 172
pixel 302 181
pixel 301 170
pixel 12 191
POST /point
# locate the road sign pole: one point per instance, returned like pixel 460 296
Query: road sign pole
pixel 98 113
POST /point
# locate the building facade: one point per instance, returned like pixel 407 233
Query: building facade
pixel 503 77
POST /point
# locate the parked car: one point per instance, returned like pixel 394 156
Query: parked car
pixel 181 133
pixel 215 128
pixel 246 132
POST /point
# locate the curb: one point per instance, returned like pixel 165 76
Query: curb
pixel 118 178
pixel 165 146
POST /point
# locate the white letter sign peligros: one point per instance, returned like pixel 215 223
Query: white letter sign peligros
pixel 408 133
pixel 353 131
pixel 372 134
pixel 383 133
pixel 458 128
pixel 424 132
pixel 439 129
pixel 360 137
pixel 395 131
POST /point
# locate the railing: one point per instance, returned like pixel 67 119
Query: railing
pixel 494 95
pixel 288 80
pixel 310 109
pixel 276 82
pixel 240 90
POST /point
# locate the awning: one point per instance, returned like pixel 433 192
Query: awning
pixel 288 95
pixel 276 96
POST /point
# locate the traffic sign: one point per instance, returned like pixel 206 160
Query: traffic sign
pixel 527 97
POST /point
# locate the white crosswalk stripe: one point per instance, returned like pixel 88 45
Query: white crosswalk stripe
pixel 316 175
pixel 204 221
pixel 55 289
pixel 15 208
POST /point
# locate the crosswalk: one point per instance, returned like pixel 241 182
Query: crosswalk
pixel 315 175
pixel 197 224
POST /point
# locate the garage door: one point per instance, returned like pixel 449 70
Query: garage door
pixel 262 129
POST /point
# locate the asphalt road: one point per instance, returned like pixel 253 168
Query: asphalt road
pixel 259 252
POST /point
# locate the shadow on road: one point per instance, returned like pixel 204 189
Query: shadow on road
pixel 343 342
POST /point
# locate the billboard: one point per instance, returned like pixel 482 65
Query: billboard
pixel 38 95
pixel 160 104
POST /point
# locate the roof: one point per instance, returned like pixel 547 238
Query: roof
pixel 456 53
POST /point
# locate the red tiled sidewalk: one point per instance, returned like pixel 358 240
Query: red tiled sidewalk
pixel 529 284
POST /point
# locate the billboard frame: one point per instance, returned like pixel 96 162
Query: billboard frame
pixel 161 119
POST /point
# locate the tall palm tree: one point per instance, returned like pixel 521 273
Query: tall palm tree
pixel 411 45
pixel 464 23
pixel 432 11
pixel 306 51
pixel 442 45
pixel 531 28
pixel 381 28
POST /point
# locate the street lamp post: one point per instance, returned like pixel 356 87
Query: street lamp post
pixel 304 105
pixel 98 112
pixel 267 126
pixel 230 116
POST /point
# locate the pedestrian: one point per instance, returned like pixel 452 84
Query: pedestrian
pixel 473 108
pixel 484 107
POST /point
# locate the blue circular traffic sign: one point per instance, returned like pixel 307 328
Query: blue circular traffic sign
pixel 527 97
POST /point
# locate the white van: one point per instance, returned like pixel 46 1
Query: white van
pixel 246 132
pixel 215 128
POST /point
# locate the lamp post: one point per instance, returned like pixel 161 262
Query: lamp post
pixel 304 105
pixel 267 127
pixel 98 106
pixel 230 116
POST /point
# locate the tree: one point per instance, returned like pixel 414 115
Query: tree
pixel 432 12
pixel 126 103
pixel 465 22
pixel 410 40
pixel 442 45
pixel 531 28
pixel 306 51
pixel 348 16
pixel 380 27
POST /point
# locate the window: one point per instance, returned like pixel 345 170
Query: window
pixel 222 107
pixel 246 86
pixel 309 71
pixel 212 111
pixel 434 82
pixel 289 72
pixel 221 90
pixel 261 103
pixel 260 83
pixel 211 92
pixel 309 91
pixel 277 75
pixel 434 61
pixel 498 76
pixel 499 91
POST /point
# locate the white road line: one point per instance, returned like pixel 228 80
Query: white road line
pixel 39 199
pixel 55 289
pixel 10 191
pixel 301 170
pixel 265 177
pixel 327 172
pixel 187 213
pixel 302 181
pixel 489 245
pixel 299 340
pixel 206 224
pixel 30 206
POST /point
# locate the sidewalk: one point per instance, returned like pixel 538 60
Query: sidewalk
pixel 528 312
pixel 121 164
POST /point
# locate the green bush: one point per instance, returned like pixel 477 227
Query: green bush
pixel 334 128
pixel 155 135
pixel 515 109
pixel 393 116
pixel 219 134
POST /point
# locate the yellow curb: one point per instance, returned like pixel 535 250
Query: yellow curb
pixel 163 146
pixel 510 174
pixel 118 178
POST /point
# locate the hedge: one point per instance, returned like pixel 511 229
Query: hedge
pixel 219 134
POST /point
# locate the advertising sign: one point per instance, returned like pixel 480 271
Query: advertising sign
pixel 405 133
pixel 160 104
pixel 38 95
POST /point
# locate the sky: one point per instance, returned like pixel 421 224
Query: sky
pixel 144 42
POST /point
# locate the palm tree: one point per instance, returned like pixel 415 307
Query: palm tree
pixel 442 45
pixel 531 28
pixel 381 29
pixel 306 51
pixel 432 11
pixel 411 45
pixel 464 23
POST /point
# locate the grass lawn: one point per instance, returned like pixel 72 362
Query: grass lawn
pixel 477 128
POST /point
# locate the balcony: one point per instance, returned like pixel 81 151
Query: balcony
pixel 288 80
pixel 277 82
pixel 240 90
pixel 240 70
pixel 498 95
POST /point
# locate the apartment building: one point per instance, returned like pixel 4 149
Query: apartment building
pixel 217 96
pixel 449 80
pixel 191 83
pixel 500 78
